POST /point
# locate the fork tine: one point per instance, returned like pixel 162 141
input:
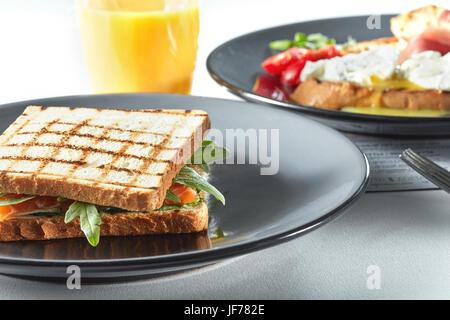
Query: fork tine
pixel 425 161
pixel 434 173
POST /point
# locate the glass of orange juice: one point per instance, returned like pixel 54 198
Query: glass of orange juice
pixel 140 45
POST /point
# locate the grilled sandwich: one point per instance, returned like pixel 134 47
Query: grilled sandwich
pixel 74 172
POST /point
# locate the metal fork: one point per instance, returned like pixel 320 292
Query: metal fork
pixel 427 168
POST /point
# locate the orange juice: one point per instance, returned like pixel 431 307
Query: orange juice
pixel 140 45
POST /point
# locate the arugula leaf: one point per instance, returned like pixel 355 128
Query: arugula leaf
pixel 311 41
pixel 189 177
pixel 219 233
pixel 206 154
pixel 172 196
pixel 280 45
pixel 300 38
pixel 12 201
pixel 89 220
pixel 4 194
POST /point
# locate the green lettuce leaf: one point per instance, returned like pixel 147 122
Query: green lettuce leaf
pixel 189 177
pixel 89 220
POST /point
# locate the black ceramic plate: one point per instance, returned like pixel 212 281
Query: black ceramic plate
pixel 236 65
pixel 320 173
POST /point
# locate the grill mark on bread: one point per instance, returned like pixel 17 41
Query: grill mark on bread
pixel 25 123
pixel 154 154
pixel 77 163
pixel 166 140
pixel 43 160
pixel 74 130
pixel 117 156
pixel 126 130
pixel 33 140
pixel 134 171
pixel 91 136
pixel 85 149
pixel 55 151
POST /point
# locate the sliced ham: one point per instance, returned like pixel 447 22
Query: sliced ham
pixel 445 16
pixel 434 39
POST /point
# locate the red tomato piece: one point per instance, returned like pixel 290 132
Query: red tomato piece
pixel 279 62
pixel 185 193
pixel 291 75
pixel 326 52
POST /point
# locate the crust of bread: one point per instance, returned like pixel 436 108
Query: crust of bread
pixel 185 220
pixel 336 95
pixel 411 24
pixel 100 192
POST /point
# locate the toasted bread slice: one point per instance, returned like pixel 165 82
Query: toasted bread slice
pixel 183 220
pixel 407 26
pixel 116 158
pixel 336 95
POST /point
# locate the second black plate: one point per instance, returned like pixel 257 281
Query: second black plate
pixel 236 65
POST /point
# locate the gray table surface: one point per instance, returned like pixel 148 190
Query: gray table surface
pixel 405 236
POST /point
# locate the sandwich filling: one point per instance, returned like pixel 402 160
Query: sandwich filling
pixel 187 190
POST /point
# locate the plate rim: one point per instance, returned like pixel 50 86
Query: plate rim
pixel 186 259
pixel 332 114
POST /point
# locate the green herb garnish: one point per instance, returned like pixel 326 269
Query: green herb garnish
pixel 219 233
pixel 189 177
pixel 172 196
pixel 311 41
pixel 281 45
pixel 206 154
pixel 89 220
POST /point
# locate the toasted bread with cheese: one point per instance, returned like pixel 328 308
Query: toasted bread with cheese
pixel 337 95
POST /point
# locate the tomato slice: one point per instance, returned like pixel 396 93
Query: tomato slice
pixel 326 52
pixel 290 63
pixel 7 212
pixel 291 75
pixel 185 193
pixel 279 62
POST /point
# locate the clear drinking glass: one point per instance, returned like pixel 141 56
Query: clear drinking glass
pixel 140 45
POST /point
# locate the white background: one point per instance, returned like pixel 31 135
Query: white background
pixel 406 234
